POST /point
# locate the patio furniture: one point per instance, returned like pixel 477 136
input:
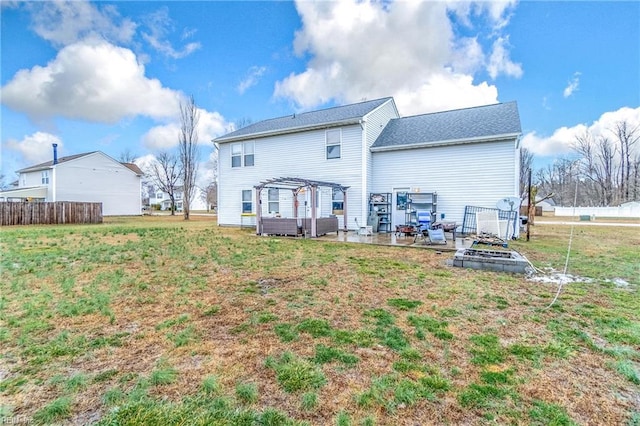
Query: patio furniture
pixel 424 224
pixel 364 230
pixel 446 227
pixel 405 230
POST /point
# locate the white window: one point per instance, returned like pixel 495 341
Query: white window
pixel 236 155
pixel 159 196
pixel 337 201
pixel 274 200
pixel 333 142
pixel 45 177
pixel 23 178
pixel 249 148
pixel 247 201
pixel 242 154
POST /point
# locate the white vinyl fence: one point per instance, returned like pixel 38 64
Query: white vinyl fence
pixel 632 211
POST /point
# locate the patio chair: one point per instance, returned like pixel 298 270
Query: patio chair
pixel 436 236
pixel 364 230
pixel 424 224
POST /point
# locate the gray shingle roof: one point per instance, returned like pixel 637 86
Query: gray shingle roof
pixel 448 126
pixel 336 115
pixel 48 164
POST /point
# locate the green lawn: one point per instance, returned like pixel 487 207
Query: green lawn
pixel 154 320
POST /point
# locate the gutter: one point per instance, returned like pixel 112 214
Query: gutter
pixel 288 130
pixel 446 143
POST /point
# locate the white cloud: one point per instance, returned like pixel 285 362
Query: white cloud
pixel 160 24
pixel 165 137
pixel 499 61
pixel 66 22
pixel 367 49
pixel 36 148
pixel 572 86
pixel 562 139
pixel 252 78
pixel 94 81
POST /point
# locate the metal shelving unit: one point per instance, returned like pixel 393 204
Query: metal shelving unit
pixel 380 211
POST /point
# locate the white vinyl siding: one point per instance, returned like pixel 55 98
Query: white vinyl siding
pixel 294 155
pixel 477 174
pixel 99 178
pixel 375 122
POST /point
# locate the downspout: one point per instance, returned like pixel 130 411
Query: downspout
pixel 314 228
pixel 53 183
pixel 53 172
pixel 364 173
pixel 258 210
pixel 344 218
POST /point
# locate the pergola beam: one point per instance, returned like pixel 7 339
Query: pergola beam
pixel 296 184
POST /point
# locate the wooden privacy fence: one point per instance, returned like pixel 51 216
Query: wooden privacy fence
pixel 42 213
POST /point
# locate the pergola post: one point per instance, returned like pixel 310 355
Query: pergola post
pixel 344 210
pixel 298 185
pixel 258 210
pixel 314 228
pixel 295 202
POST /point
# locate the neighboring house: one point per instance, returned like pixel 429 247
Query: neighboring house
pixel 88 177
pixel 468 157
pixel 162 199
pixel 547 205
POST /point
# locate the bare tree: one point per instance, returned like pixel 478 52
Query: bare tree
pixel 597 157
pixel 188 151
pixel 165 172
pixel 127 156
pixel 526 164
pixel 211 195
pixel 3 183
pixel 558 180
pixel 243 122
pixel 627 137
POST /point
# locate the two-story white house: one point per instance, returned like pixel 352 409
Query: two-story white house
pixel 87 177
pixel 467 157
pixel 162 199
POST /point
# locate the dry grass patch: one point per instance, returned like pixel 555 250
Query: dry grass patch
pixel 155 318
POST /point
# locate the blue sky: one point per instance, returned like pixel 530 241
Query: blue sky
pixel 109 75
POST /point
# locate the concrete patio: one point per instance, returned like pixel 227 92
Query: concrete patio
pixel 391 239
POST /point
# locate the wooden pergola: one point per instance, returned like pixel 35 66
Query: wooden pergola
pixel 297 185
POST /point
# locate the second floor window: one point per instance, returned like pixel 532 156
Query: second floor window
pixel 333 142
pixel 45 177
pixel 242 154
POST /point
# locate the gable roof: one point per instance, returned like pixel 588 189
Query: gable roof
pixel 336 116
pixel 134 168
pixel 49 164
pixel 475 124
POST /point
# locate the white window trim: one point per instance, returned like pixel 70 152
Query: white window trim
pixel 326 143
pixel 243 153
pixel 242 200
